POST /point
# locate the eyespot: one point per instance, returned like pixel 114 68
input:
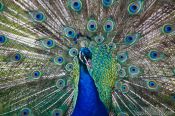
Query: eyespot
pixel 57 112
pixel 59 60
pixel 112 45
pixel 167 28
pixel 129 40
pixel 39 16
pixel 122 57
pixel 122 73
pixel 108 26
pixel 60 83
pixel 48 43
pixel 155 55
pixel 133 70
pixel 92 26
pixel 17 57
pixel 69 67
pixel 107 3
pixel 123 114
pixel 73 52
pixel 124 88
pixel 3 40
pixel 99 39
pixel 69 32
pixel 152 85
pixel 135 7
pixel 76 5
pixel 2 7
pixel 36 74
pixel 25 112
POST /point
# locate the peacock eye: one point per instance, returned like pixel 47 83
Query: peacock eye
pixel 69 32
pixel 155 55
pixel 108 26
pixel 107 3
pixel 92 26
pixel 135 7
pixel 152 85
pixel 39 16
pixel 122 73
pixel 99 39
pixel 73 52
pixel 36 74
pixel 25 112
pixel 3 40
pixel 48 43
pixel 76 5
pixel 129 39
pixel 133 70
pixel 60 83
pixel 69 67
pixel 17 57
pixel 112 45
pixel 167 28
pixel 57 112
pixel 59 60
pixel 124 88
pixel 122 57
pixel 2 7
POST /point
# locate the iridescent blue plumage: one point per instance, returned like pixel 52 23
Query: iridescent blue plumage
pixel 88 102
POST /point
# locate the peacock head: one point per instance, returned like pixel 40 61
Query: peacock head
pixel 85 56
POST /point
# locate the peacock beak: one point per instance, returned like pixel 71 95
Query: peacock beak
pixel 88 62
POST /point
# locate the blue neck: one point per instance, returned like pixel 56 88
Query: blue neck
pixel 88 101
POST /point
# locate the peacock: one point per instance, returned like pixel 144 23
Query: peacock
pixel 87 57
